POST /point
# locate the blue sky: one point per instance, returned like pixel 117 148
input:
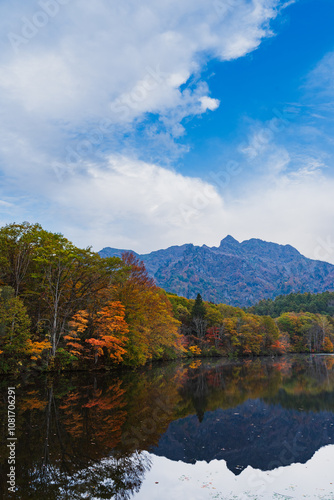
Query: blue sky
pixel 148 124
pixel 265 80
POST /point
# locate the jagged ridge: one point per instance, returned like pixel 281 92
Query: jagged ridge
pixel 238 274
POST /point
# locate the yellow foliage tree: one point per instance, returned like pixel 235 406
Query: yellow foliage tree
pixel 328 345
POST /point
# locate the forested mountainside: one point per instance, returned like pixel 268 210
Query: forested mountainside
pixel 238 274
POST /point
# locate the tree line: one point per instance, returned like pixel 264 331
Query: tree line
pixel 319 303
pixel 232 331
pixel 62 307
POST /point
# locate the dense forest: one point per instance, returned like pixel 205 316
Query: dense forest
pixel 320 303
pixel 62 307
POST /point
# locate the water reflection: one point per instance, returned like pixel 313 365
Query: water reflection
pixel 207 481
pixel 112 477
pixel 83 435
pixel 255 434
pixel 286 416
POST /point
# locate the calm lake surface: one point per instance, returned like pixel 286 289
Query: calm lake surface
pixel 207 429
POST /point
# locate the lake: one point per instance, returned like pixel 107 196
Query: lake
pixel 202 429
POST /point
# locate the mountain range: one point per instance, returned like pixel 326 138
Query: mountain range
pixel 238 274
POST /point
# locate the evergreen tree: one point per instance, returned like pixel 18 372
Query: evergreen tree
pixel 198 310
pixel 198 314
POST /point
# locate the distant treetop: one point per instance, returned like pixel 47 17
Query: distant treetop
pixel 319 303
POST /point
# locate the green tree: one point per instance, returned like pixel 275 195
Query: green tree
pixel 198 310
pixel 198 314
pixel 18 243
pixel 16 345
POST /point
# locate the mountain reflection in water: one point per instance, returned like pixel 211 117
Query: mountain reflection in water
pixel 254 433
pixel 81 435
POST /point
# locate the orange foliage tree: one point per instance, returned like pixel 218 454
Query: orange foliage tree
pixel 328 345
pixel 78 325
pixel 107 334
pixel 108 329
pixel 111 329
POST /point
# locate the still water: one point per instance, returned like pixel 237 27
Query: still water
pixel 207 429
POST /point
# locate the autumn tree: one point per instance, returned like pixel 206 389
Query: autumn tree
pixel 16 343
pixel 307 331
pixel 73 339
pixel 293 324
pixel 111 333
pixel 67 278
pixel 216 328
pixel 181 309
pixel 327 345
pixel 153 330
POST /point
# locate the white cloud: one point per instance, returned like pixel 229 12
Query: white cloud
pixel 114 61
pixel 89 78
pixel 321 78
pixel 209 103
pixel 284 193
pixel 134 204
pixel 319 96
pixel 296 210
pixel 40 84
pixel 130 204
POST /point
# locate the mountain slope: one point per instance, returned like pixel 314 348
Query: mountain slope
pixel 235 273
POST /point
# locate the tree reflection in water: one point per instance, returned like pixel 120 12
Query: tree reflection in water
pixel 81 435
pixel 117 478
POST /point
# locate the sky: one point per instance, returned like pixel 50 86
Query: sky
pixel 142 125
